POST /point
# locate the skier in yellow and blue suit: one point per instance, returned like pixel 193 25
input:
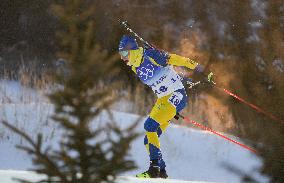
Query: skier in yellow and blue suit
pixel 153 67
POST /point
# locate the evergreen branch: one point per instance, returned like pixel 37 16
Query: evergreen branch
pixel 20 133
pixel 36 151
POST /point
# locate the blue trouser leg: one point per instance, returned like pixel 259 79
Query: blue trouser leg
pixel 161 162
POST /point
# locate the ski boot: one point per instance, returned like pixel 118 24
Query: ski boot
pixel 152 172
pixel 163 174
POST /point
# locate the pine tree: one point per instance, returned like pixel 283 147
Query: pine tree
pixel 85 155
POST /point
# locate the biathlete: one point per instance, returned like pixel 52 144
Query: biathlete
pixel 154 68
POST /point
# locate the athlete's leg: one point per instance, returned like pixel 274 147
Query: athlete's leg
pixel 161 129
pixel 163 111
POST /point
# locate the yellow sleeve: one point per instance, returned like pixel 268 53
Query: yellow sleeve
pixel 182 61
pixel 133 69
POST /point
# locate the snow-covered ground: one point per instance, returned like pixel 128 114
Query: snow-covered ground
pixel 190 154
pixel 9 176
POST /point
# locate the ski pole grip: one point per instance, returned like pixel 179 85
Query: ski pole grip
pixel 178 115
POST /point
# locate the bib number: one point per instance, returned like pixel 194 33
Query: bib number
pixel 175 98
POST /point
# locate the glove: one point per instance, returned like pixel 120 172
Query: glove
pixel 210 77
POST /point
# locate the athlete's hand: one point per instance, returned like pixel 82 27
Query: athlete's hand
pixel 210 78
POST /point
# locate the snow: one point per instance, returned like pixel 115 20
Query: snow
pixel 9 176
pixel 191 155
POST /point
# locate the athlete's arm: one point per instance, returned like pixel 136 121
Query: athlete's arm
pixel 163 58
pixel 177 60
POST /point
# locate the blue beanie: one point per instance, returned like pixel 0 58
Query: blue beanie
pixel 127 43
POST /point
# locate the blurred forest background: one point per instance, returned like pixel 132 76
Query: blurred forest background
pixel 242 42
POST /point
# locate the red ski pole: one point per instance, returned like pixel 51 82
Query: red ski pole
pixel 187 120
pixel 256 108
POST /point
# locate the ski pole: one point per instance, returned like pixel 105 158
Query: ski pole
pixel 256 108
pixel 187 120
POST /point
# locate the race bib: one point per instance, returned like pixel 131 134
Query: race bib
pixel 162 80
pixel 175 98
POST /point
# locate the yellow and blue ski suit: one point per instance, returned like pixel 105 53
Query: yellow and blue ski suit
pixel 154 68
